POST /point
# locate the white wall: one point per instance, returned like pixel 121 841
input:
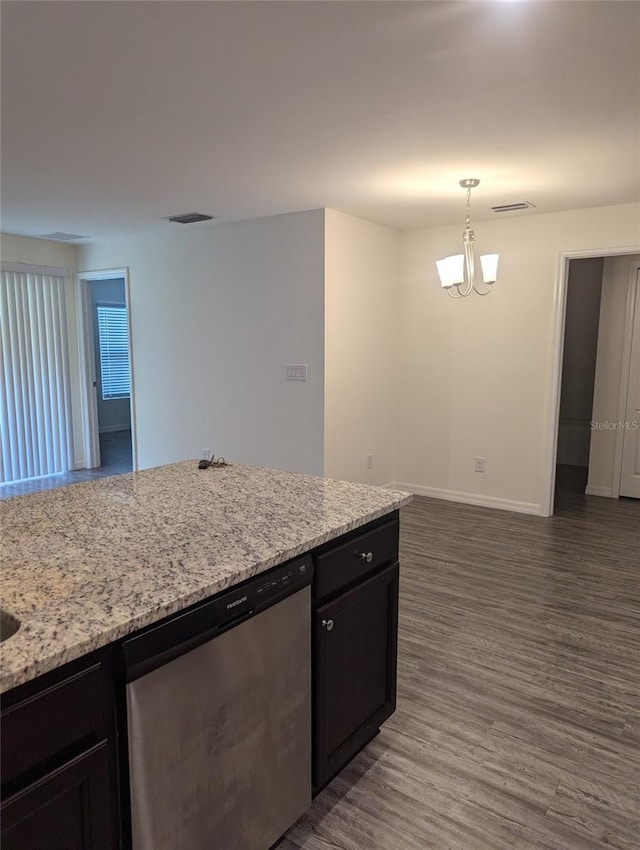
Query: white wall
pixel 475 375
pixel 579 360
pixel 604 473
pixel 218 310
pixel 37 252
pixel 216 313
pixel 361 307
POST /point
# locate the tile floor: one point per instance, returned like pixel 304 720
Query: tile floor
pixel 115 455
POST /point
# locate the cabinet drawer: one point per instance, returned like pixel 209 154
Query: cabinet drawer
pixel 67 809
pixel 51 721
pixel 342 565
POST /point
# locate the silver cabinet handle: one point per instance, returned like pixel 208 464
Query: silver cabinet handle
pixel 328 625
pixel 366 556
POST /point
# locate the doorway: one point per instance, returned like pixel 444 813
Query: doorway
pixel 595 342
pixel 112 373
pixel 108 409
pixel 579 359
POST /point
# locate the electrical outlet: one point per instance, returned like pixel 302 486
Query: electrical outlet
pixel 369 461
pixel 206 454
pixel 479 465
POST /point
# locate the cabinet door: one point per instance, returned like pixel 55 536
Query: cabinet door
pixel 356 641
pixel 68 809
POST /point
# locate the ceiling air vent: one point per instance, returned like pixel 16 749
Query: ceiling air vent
pixel 63 237
pixel 522 205
pixel 189 218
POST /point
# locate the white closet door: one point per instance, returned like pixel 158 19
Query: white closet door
pixel 630 478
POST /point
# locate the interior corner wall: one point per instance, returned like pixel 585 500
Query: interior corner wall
pixel 476 375
pixel 216 313
pixel 361 307
pixel 61 255
pixel 603 470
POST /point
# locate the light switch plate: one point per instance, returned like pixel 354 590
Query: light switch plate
pixel 296 373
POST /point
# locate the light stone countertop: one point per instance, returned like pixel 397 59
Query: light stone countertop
pixel 89 563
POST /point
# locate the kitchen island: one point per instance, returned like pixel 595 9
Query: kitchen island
pixel 85 565
pixel 94 571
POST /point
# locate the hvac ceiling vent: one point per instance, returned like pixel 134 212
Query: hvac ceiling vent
pixel 189 218
pixel 522 205
pixel 63 237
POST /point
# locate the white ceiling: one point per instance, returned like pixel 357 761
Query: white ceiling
pixel 115 114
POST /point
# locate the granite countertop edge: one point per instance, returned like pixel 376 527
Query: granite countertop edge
pixel 27 654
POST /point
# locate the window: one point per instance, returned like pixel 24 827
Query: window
pixel 113 341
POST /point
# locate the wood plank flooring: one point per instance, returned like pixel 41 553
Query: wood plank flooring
pixel 518 721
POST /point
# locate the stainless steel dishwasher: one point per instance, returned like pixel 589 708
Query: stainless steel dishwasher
pixel 219 718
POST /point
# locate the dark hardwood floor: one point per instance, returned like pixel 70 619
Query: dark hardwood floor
pixel 115 458
pixel 518 720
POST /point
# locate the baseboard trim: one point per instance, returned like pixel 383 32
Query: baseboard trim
pixel 471 499
pixel 594 490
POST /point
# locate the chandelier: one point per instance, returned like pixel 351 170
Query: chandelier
pixel 457 273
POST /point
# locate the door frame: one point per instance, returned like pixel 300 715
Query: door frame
pixel 86 351
pixel 557 349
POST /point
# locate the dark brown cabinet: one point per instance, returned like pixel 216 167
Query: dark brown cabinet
pixel 59 766
pixel 64 810
pixel 58 743
pixel 355 650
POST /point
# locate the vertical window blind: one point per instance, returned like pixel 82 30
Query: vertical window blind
pixel 113 342
pixel 35 391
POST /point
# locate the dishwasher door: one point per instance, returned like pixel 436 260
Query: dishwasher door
pixel 220 738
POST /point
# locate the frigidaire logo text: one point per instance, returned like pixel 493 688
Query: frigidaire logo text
pixel 238 601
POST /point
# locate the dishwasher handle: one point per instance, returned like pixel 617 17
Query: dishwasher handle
pixel 138 663
pixel 140 658
pixel 230 624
